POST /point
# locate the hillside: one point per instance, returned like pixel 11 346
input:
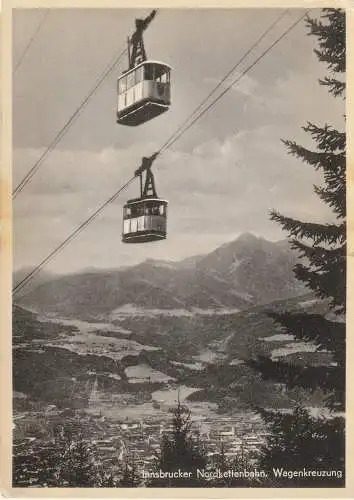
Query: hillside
pixel 246 272
pixel 57 361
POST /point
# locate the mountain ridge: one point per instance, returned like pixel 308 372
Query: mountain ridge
pixel 242 273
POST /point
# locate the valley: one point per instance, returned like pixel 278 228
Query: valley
pixel 122 347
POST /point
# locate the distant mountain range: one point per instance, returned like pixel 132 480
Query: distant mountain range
pixel 41 277
pixel 240 274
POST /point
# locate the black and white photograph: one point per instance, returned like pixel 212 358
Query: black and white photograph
pixel 179 243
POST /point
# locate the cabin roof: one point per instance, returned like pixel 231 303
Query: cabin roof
pixel 141 200
pixel 125 73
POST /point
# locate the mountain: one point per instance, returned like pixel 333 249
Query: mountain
pixel 246 272
pixel 260 269
pixel 42 276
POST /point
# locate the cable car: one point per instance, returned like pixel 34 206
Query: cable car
pixel 143 93
pixel 144 90
pixel 145 218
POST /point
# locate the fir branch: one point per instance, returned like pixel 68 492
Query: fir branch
pixel 331 38
pixel 333 164
pixel 336 87
pixel 314 442
pixel 324 334
pixel 329 234
pixel 330 379
pixel 318 256
pixel 334 198
pixel 329 284
pixel 327 138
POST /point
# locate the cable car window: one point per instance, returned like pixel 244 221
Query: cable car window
pixel 165 77
pixel 122 85
pixel 149 70
pixel 133 212
pixel 162 209
pixel 160 69
pixel 139 74
pixel 157 73
pixel 131 79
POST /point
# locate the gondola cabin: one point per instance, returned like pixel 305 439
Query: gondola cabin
pixel 144 220
pixel 143 93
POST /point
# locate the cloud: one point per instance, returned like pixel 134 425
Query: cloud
pixel 221 178
pixel 299 97
pixel 217 190
pixel 246 85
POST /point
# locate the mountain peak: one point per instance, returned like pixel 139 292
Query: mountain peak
pixel 247 271
pixel 247 238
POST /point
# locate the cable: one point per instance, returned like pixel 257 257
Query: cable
pixel 66 127
pixel 173 139
pixel 31 40
pixel 62 245
pixel 68 124
pixel 82 226
pixel 263 35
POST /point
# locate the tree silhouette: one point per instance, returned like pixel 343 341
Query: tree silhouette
pixel 181 451
pixel 238 464
pixel 300 440
pixel 131 478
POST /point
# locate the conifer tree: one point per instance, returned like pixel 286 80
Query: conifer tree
pixel 66 461
pixel 180 451
pixel 224 464
pixel 76 465
pixel 300 440
pixel 131 478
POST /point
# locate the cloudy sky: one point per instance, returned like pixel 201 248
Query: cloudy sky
pixel 221 178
